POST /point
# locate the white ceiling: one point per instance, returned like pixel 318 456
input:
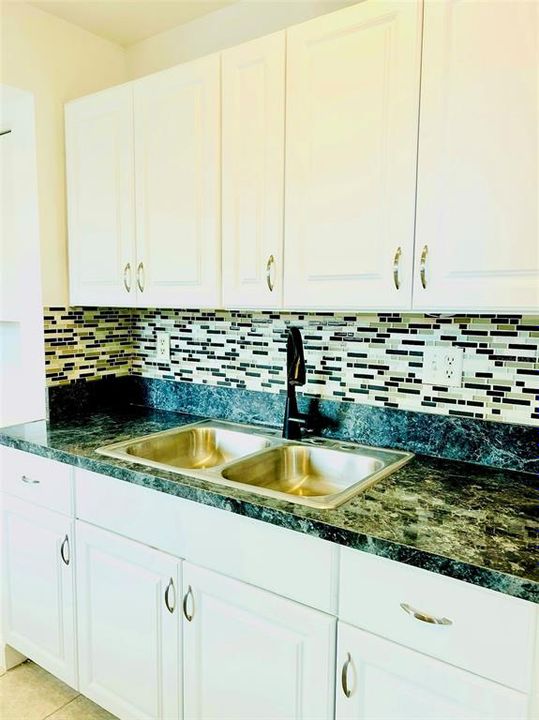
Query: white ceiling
pixel 127 21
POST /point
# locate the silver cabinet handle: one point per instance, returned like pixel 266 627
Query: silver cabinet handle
pixel 425 617
pixel 188 594
pixel 396 267
pixel 66 556
pixel 170 588
pixel 344 676
pixel 423 266
pixel 141 276
pixel 127 277
pixel 29 481
pixel 269 266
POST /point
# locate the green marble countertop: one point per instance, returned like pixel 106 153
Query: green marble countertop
pixel 465 521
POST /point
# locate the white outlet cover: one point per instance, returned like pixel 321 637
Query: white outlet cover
pixel 443 366
pixel 163 346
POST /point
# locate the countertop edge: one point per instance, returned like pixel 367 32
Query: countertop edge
pixel 480 576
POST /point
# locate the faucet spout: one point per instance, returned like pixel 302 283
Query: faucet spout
pixel 295 376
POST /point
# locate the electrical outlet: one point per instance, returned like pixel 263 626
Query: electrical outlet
pixel 163 346
pixel 443 366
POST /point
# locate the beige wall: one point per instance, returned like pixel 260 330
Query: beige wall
pixel 224 28
pixel 56 61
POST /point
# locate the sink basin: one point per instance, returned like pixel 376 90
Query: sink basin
pixel 196 447
pixel 316 476
pixel 320 473
pixel 304 471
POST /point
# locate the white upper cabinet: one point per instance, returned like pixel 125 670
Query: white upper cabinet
pixel 352 113
pixel 177 148
pixel 253 92
pixel 323 183
pixel 100 193
pixel 477 209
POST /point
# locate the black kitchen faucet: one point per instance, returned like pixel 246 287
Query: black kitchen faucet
pixel 294 421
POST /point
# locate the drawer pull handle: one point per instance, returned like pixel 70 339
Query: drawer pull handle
pixel 127 277
pixel 188 594
pixel 425 617
pixel 269 267
pixel 344 676
pixel 423 267
pixel 29 481
pixel 66 556
pixel 396 268
pixel 170 587
pixel 141 277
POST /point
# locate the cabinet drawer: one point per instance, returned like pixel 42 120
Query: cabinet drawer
pixel 41 481
pixel 485 632
pixel 285 562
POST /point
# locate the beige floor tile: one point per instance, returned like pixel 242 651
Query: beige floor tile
pixel 27 692
pixel 81 709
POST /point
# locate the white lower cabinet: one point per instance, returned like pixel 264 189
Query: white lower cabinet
pixel 159 638
pixel 128 623
pixel 252 655
pixel 38 586
pixel 379 680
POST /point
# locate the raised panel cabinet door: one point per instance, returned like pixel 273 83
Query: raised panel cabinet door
pixel 351 146
pixel 177 146
pixel 251 655
pixel 38 586
pixel 253 96
pixel 100 198
pixel 129 630
pixel 380 680
pixel 477 241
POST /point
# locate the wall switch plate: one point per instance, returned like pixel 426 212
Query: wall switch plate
pixel 443 366
pixel 163 346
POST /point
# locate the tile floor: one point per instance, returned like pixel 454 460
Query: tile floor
pixel 30 693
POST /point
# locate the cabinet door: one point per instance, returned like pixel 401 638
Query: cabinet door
pixel 177 142
pixel 253 172
pixel 352 111
pixel 477 219
pixel 100 197
pixel 38 586
pixel 251 655
pixel 129 631
pixel 379 680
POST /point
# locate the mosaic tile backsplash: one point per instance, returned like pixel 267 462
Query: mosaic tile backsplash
pixel 85 343
pixel 370 359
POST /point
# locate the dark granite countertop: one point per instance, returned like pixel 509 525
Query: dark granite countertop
pixel 469 522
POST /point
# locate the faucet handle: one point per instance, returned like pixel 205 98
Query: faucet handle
pixel 295 360
pixel 302 421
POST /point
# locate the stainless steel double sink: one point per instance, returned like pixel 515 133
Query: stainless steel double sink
pixel 316 472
